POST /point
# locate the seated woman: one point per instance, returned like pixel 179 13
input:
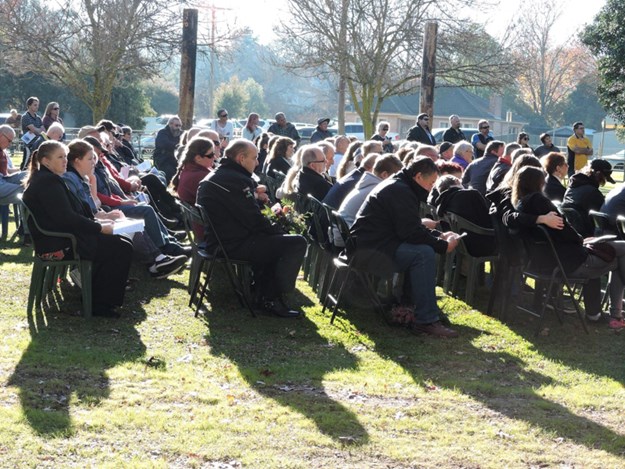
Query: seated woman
pixel 56 209
pixel 279 158
pixel 80 179
pixel 577 259
pixel 556 167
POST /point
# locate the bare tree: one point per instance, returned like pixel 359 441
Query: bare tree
pixel 90 46
pixel 380 54
pixel 550 73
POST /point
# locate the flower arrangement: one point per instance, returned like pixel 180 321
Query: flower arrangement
pixel 286 217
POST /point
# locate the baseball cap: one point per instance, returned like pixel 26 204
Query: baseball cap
pixel 603 167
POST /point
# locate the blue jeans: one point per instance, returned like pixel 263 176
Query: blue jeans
pixel 419 264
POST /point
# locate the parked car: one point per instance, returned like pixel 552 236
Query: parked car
pixel 4 116
pixel 306 133
pixel 617 160
pixel 468 133
pixel 356 129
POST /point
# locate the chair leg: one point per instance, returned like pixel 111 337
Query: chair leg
pixel 337 300
pixel 36 286
pixel 87 292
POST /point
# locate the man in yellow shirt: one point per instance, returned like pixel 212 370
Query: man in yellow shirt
pixel 579 149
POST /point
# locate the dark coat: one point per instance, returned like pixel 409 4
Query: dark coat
pixel 309 181
pixel 472 206
pixel 389 217
pixel 277 164
pixel 583 195
pixel 57 209
pixel 418 134
pixel 497 173
pixel 227 195
pixel 165 151
pixel 554 190
pixel 568 242
pixel 476 174
pixel 319 135
pixel 342 187
pixel 452 135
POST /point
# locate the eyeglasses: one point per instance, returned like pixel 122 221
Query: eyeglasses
pixel 55 108
pixel 223 115
pixel 318 161
pixel 425 118
pixel 525 138
pixel 485 127
pixel 385 128
pixel 216 142
pixel 209 155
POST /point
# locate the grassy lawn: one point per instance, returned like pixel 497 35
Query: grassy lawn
pixel 160 388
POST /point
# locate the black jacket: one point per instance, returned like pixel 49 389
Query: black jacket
pixel 57 209
pixel 309 181
pixel 583 195
pixel 568 242
pixel 165 147
pixel 388 218
pixel 476 174
pixel 227 195
pixel 319 135
pixel 496 175
pixel 452 135
pixel 472 206
pixel 554 190
pixel 418 134
pixel 277 164
pixel 335 196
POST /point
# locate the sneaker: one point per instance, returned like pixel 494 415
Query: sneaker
pixel 175 249
pixel 435 329
pixel 168 266
pixel 178 235
pixel 616 323
pixel 75 276
pixel 593 317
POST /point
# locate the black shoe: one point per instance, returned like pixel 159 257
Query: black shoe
pixel 168 266
pixel 105 311
pixel 278 308
pixel 175 249
pixel 27 240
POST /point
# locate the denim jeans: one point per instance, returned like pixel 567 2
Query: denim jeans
pixel 419 264
pixel 154 228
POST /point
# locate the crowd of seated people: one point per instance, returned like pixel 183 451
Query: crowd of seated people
pixel 377 187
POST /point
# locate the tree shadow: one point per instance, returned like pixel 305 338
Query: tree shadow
pixel 67 359
pixel 499 380
pixel 286 360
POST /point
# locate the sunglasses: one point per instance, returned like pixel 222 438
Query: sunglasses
pixel 216 142
pixel 485 127
pixel 224 115
pixel 209 155
pixel 384 128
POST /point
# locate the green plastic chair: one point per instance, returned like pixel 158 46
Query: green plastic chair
pixel 45 274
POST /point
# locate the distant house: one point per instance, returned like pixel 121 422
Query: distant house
pixel 401 112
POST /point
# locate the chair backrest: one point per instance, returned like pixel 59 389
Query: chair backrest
pixel 30 218
pixel 218 249
pixel 620 226
pixel 190 215
pixel 575 219
pixel 461 225
pixel 343 227
pixel 539 244
pixel 320 221
pixel 600 220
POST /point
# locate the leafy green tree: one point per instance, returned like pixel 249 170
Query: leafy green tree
pixel 129 105
pixel 605 37
pixel 583 104
pixel 90 46
pixel 232 96
pixel 255 98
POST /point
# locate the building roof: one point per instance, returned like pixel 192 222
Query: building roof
pixel 447 101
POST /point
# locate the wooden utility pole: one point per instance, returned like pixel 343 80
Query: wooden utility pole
pixel 428 69
pixel 343 66
pixel 187 67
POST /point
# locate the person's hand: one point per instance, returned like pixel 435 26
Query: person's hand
pixel 106 227
pixel 552 220
pixel 129 202
pixel 429 223
pixel 452 243
pixel 116 215
pixel 262 197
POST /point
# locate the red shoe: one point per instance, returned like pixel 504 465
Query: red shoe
pixel 617 323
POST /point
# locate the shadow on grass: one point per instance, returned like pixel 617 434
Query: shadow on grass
pixel 67 359
pixel 286 360
pixel 500 380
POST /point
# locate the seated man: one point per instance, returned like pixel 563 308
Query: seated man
pixel 309 179
pixel 227 195
pixel 10 178
pixel 342 187
pixel 390 237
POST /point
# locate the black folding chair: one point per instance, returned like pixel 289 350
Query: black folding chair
pixel 539 245
pixel 344 267
pixel 239 272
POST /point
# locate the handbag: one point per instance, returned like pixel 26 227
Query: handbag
pixel 603 251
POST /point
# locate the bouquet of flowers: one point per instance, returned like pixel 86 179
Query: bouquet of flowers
pixel 286 217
